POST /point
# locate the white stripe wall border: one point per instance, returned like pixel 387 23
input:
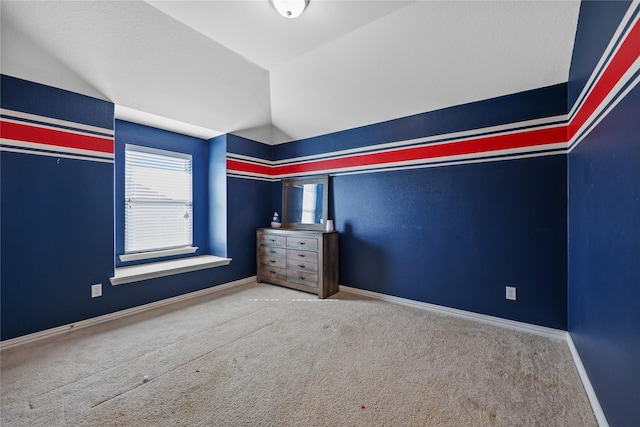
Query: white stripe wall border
pixel 57 124
pixel 440 139
pixel 486 157
pixel 256 160
pixel 247 175
pixel 490 158
pixel 54 154
pixel 38 148
pixel 626 83
pixel 610 102
pixel 607 56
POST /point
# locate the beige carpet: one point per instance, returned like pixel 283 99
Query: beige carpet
pixel 262 355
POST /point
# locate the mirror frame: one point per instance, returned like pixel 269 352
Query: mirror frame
pixel 324 180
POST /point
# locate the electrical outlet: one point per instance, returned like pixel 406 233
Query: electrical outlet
pixel 96 290
pixel 511 293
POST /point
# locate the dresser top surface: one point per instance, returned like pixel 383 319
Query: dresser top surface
pixel 291 231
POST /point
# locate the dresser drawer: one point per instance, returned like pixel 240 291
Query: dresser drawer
pixel 273 240
pixel 302 243
pixel 269 272
pixel 302 278
pixel 272 251
pixel 302 255
pixel 273 261
pixel 300 265
pixel 306 260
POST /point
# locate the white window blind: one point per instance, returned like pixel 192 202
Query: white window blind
pixel 158 200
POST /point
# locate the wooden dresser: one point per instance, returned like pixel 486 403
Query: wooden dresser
pixel 299 259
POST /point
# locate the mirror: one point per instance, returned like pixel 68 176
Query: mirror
pixel 304 203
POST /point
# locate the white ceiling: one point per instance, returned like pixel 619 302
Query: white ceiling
pixel 239 67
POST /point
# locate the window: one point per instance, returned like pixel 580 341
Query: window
pixel 158 210
pixel 309 204
pixel 170 203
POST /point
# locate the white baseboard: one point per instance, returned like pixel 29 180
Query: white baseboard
pixel 591 394
pixel 505 323
pixel 482 318
pixel 119 314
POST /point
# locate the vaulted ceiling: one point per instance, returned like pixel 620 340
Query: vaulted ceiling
pixel 239 67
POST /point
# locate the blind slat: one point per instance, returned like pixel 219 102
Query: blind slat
pixel 158 196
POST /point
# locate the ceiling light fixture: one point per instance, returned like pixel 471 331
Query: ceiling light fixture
pixel 290 8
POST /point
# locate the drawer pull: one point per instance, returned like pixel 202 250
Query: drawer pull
pixel 302 278
pixel 273 261
pixel 301 243
pixel 272 240
pixel 272 252
pixel 301 255
pixel 301 265
pixel 272 272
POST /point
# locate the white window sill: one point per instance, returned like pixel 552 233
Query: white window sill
pixel 136 273
pixel 158 254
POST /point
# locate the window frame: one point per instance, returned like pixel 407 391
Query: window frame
pixel 167 250
pixel 129 133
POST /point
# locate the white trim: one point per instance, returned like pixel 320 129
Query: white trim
pixel 614 45
pixel 591 394
pixel 380 168
pixel 25 339
pixel 482 318
pixel 443 138
pixel 56 148
pixel 256 160
pixel 602 112
pixel 52 154
pixel 50 120
pixel 57 129
pixel 158 254
pixel 504 323
pixel 433 140
pixel 511 324
pixel 462 159
pixel 556 145
pixel 248 175
pixel 137 273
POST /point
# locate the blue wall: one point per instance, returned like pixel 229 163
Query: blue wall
pixel 249 205
pixel 57 218
pixel 57 239
pixel 453 235
pixel 604 232
pixel 456 235
pixel 58 224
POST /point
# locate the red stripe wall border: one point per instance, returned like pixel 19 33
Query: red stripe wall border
pixel 530 138
pixel 624 58
pixel 622 61
pixel 55 138
pixel 429 152
pixel 248 167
